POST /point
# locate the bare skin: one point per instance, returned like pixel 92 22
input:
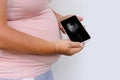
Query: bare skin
pixel 13 40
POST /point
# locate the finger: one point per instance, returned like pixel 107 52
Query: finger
pixel 82 44
pixel 75 50
pixel 80 18
pixel 67 16
pixel 62 29
pixel 68 39
pixel 75 45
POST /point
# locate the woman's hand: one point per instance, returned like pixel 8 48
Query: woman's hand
pixel 60 18
pixel 67 47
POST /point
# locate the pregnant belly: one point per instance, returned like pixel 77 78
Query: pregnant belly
pixel 44 26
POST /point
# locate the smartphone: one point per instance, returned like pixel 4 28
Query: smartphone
pixel 75 30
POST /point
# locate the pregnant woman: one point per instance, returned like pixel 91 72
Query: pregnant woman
pixel 30 40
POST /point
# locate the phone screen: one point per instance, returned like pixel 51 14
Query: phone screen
pixel 75 29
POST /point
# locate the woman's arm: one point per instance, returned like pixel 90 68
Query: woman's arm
pixel 13 40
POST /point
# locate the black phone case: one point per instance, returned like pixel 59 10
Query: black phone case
pixel 75 29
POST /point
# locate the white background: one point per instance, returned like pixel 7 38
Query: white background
pixel 100 59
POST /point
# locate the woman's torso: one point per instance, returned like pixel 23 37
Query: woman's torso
pixel 33 17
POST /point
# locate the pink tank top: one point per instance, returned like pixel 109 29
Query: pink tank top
pixel 35 18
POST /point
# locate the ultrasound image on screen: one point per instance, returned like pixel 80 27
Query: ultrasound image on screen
pixel 74 29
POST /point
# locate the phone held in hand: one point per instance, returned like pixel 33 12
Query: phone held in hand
pixel 75 30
